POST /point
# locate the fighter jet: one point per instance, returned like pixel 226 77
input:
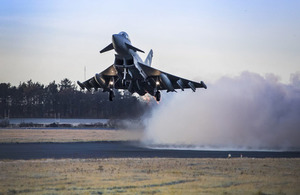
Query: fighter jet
pixel 130 72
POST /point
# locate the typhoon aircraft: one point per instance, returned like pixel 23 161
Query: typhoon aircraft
pixel 130 72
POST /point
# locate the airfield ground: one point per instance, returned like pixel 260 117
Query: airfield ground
pixel 140 175
pixel 150 176
pixel 66 135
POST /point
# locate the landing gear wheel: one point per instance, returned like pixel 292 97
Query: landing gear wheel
pixel 111 95
pixel 157 96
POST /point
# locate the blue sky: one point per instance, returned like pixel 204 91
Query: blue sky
pixel 200 40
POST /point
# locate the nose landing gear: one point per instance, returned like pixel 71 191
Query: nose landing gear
pixel 111 95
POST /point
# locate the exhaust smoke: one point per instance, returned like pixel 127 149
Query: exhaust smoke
pixel 245 112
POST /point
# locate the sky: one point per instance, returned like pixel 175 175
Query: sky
pixel 200 40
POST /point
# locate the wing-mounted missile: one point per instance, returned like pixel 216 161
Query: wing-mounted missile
pixel 81 85
pixel 133 48
pixel 107 48
pixel 167 82
pixel 180 84
pixel 192 86
pixel 89 84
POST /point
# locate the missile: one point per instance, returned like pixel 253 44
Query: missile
pixel 192 86
pixel 180 84
pixel 82 86
pixel 167 82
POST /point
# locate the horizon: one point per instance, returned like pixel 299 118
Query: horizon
pixel 199 40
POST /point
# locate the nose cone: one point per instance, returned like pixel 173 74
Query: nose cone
pixel 116 39
pixel 113 37
pixel 119 44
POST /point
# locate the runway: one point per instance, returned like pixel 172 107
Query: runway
pixel 119 149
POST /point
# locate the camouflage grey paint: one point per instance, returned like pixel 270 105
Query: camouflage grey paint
pixel 131 73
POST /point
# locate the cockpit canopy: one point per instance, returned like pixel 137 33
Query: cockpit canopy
pixel 124 34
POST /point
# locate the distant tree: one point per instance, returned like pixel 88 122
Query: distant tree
pixel 66 84
pixel 4 89
pixel 32 99
pixel 51 100
pixel 4 94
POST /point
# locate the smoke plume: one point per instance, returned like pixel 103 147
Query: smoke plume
pixel 245 112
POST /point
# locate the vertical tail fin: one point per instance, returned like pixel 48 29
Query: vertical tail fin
pixel 148 59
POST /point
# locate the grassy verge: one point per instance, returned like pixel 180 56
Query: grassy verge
pixel 66 135
pixel 150 176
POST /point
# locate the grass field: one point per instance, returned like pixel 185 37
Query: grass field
pixel 66 135
pixel 150 176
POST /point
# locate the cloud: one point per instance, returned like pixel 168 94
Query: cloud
pixel 245 112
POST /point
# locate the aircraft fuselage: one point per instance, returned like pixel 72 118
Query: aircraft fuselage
pixel 131 73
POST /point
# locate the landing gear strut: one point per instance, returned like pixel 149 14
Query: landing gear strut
pixel 157 96
pixel 111 95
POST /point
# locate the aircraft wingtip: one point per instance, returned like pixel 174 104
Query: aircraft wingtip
pixel 203 85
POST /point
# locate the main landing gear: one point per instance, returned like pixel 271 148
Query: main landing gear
pixel 157 96
pixel 111 95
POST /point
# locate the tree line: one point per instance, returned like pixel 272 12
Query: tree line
pixel 64 100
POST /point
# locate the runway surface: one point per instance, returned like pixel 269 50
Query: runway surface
pixel 118 149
